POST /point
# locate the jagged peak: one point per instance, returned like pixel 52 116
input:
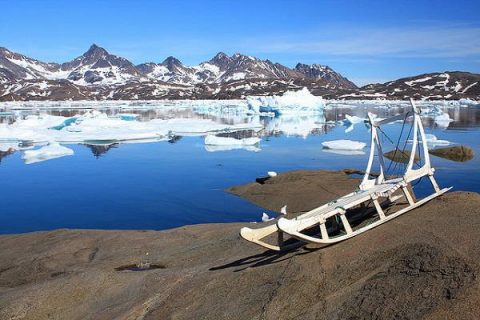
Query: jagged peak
pixel 312 66
pixel 221 58
pixel 221 55
pixel 171 61
pixel 95 50
pixel 238 55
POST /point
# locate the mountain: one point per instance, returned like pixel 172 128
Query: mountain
pixel 433 86
pixel 317 71
pixel 97 66
pixel 170 70
pixel 15 66
pixel 223 68
pixel 99 75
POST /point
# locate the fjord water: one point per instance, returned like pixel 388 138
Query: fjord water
pixel 165 184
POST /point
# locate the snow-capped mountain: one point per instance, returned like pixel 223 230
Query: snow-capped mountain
pixel 15 66
pixel 318 71
pixel 170 70
pixel 223 68
pixel 97 66
pixel 444 85
pixel 99 75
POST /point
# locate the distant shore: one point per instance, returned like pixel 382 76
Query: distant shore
pixel 421 265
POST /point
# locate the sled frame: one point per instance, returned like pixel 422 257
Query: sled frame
pixel 377 191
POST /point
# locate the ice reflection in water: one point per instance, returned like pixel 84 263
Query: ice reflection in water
pixel 177 180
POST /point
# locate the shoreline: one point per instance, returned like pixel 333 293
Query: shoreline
pixel 421 265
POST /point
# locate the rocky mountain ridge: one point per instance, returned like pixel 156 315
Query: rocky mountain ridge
pixel 99 75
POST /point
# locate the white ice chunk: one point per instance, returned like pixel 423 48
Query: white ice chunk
pixel 443 120
pixel 468 102
pixel 50 151
pixel 266 218
pixel 283 210
pixel 344 145
pixel 98 126
pixel 353 119
pixel 296 125
pixel 5 147
pixel 297 102
pixel 215 144
pixel 433 141
pixel 226 141
pixel 345 152
pixel 212 148
pixel 272 174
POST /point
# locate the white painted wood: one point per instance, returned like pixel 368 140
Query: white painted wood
pixel 369 189
pixel 381 214
pixel 323 231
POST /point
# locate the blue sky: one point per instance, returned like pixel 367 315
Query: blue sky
pixel 367 41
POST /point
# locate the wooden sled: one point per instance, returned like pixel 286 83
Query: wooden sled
pixel 332 223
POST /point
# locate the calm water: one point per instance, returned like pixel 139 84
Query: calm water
pixel 164 184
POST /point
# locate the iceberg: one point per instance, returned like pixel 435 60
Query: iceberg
pixel 212 148
pixel 430 111
pixel 98 126
pixel 353 119
pixel 227 141
pixel 296 102
pixel 51 151
pixel 128 116
pixel 344 145
pixel 433 141
pixel 6 147
pixel 345 152
pixel 468 102
pixel 215 144
pixel 443 120
pixel 301 126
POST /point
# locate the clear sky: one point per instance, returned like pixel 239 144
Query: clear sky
pixel 367 41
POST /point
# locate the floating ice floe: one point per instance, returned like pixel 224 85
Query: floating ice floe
pixel 128 116
pixel 227 141
pixel 51 151
pixel 212 148
pixel 431 111
pixel 345 152
pixel 342 144
pixel 296 102
pixel 433 141
pixel 290 125
pixel 97 126
pixel 353 119
pixel 468 102
pixel 214 144
pixel 5 147
pixel 443 120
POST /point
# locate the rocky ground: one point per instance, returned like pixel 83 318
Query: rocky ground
pixel 423 265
